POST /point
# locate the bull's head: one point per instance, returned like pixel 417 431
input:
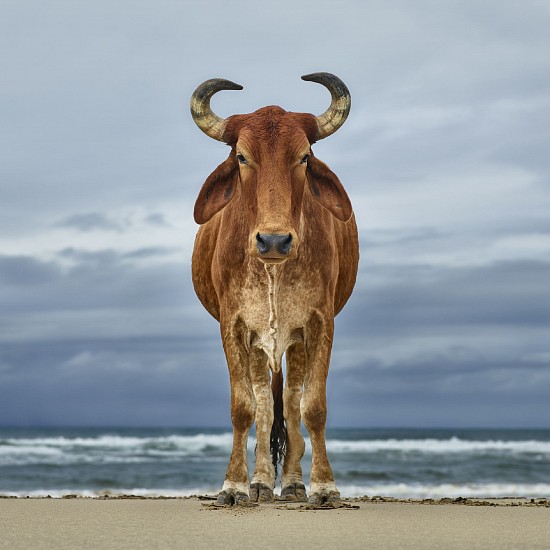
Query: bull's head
pixel 271 166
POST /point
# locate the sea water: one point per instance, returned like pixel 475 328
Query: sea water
pixel 404 463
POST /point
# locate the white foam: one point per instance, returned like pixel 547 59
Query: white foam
pixel 25 450
pixel 452 445
pixel 474 490
pixel 110 448
pixel 88 493
pixel 197 441
pixel 202 442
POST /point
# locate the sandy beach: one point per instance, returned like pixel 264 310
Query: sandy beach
pixel 194 523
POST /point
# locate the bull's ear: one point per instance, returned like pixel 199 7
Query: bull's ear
pixel 217 191
pixel 327 189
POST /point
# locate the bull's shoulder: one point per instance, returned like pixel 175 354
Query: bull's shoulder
pixel 201 266
pixel 347 245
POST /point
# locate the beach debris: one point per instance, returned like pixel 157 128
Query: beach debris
pixel 330 505
pixel 219 506
pixel 464 501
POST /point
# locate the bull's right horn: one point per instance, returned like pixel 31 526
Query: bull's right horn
pixel 339 107
pixel 210 123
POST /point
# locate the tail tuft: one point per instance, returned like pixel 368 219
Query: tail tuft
pixel 278 430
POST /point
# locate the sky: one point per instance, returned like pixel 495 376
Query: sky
pixel 445 156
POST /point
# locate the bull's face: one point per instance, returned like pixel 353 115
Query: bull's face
pixel 270 167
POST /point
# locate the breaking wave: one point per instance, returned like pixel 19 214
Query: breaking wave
pixel 451 445
pixel 125 449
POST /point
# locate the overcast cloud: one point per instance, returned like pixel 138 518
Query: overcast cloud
pixel 445 157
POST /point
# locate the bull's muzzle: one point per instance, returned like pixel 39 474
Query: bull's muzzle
pixel 273 246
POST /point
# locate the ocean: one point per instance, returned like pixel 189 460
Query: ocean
pixel 402 463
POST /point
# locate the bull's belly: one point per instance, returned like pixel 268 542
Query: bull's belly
pixel 274 338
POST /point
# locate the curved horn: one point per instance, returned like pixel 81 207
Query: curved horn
pixel 210 123
pixel 340 105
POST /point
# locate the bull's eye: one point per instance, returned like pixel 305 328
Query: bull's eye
pixel 241 159
pixel 305 159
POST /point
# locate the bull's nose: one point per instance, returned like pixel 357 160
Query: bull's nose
pixel 267 243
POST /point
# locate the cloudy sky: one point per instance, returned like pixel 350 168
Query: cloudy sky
pixel 446 157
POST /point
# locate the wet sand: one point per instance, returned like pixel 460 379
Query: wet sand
pixel 194 523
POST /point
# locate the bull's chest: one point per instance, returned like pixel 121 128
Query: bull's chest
pixel 274 311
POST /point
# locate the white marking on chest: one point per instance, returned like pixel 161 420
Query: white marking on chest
pixel 270 343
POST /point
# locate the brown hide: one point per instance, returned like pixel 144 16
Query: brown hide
pixel 272 184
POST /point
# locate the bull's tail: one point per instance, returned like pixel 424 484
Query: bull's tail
pixel 278 430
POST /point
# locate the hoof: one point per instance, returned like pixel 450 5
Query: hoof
pixel 320 499
pixel 295 492
pixel 231 497
pixel 259 492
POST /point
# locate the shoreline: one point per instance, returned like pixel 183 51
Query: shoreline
pixel 541 502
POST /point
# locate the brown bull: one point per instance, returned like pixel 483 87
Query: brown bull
pixel 275 260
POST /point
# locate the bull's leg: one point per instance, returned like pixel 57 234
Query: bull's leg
pixel 263 480
pixel 292 484
pixel 243 409
pixel 318 337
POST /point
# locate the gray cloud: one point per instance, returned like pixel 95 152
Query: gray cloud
pixel 117 381
pixel 96 280
pixel 503 293
pixel 25 271
pixel 401 236
pixel 90 222
pixel 157 219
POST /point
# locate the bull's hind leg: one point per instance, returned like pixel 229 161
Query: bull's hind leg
pixel 263 480
pixel 319 333
pixel 243 409
pixel 292 484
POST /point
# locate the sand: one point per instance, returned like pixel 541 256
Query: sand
pixel 193 523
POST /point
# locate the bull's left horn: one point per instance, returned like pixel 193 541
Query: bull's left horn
pixel 210 123
pixel 340 105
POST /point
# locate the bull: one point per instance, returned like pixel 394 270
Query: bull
pixel 274 260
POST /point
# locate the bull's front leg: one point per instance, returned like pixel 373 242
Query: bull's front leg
pixel 318 336
pixel 263 480
pixel 243 410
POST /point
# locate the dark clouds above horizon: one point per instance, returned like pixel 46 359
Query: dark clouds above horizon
pixel 445 157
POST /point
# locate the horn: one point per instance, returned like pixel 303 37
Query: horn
pixel 210 123
pixel 340 105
